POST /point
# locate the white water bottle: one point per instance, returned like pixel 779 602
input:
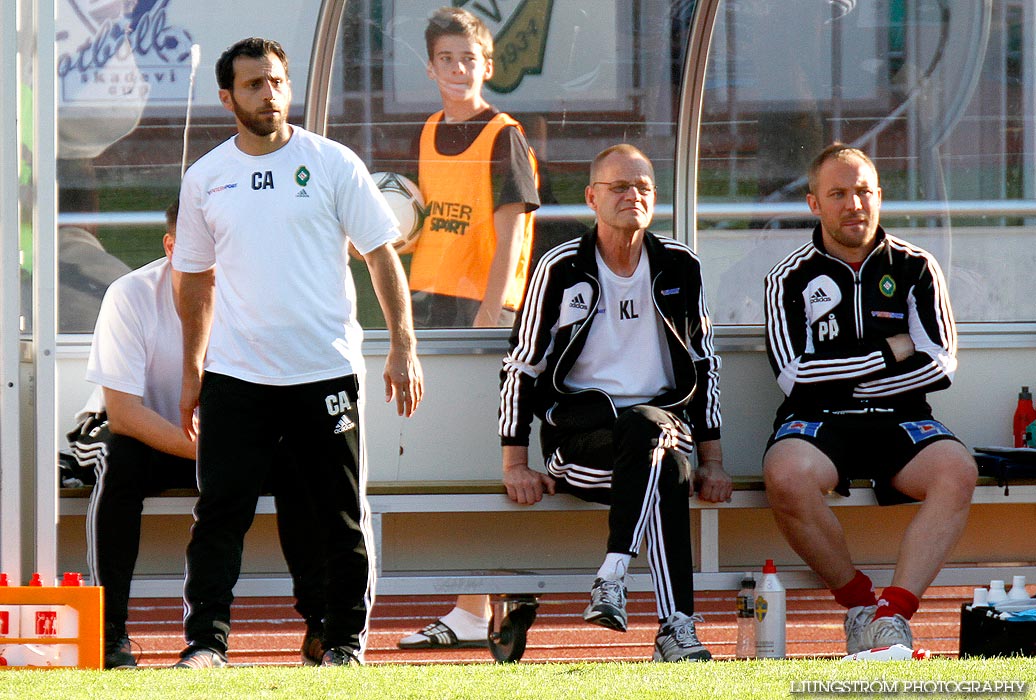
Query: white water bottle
pixel 1018 591
pixel 997 594
pixel 770 615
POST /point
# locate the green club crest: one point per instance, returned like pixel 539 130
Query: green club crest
pixel 887 285
pixel 302 176
pixel 520 39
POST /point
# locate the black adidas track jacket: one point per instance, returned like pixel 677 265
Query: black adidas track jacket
pixel 552 326
pixel 826 326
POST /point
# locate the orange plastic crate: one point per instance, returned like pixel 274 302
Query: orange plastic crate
pixel 88 602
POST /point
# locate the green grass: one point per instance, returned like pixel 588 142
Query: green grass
pixel 592 681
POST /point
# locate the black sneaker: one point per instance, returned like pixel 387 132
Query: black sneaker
pixel 341 656
pixel 118 652
pixel 607 606
pixel 200 657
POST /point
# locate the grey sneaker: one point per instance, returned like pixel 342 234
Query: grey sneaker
pixel 200 657
pixel 607 606
pixel 886 631
pixel 677 640
pixel 341 656
pixel 856 621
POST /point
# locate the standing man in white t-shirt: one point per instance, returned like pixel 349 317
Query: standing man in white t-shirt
pixel 268 305
pixel 136 359
pixel 613 352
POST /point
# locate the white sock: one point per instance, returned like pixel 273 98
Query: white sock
pixel 466 626
pixel 614 566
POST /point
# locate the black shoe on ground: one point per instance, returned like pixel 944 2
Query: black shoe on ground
pixel 341 656
pixel 118 653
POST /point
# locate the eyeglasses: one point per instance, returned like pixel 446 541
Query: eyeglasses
pixel 622 187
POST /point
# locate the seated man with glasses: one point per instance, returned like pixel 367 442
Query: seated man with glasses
pixel 613 351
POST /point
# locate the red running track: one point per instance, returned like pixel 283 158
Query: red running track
pixel 268 631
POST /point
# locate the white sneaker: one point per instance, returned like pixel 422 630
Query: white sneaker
pixel 886 631
pixel 856 621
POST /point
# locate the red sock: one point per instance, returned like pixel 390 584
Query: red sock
pixel 859 591
pixel 897 601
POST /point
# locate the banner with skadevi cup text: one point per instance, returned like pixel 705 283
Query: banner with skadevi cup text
pixel 122 61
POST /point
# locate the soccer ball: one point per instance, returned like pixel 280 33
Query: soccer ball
pixel 406 203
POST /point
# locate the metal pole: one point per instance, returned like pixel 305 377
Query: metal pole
pixel 836 74
pixel 367 82
pixel 1028 19
pixel 10 270
pixel 44 279
pixel 685 196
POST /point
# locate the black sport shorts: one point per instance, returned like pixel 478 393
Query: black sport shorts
pixel 873 445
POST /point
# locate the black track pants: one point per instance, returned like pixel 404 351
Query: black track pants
pixel 640 467
pixel 242 425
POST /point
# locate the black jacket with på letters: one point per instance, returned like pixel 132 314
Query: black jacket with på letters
pixel 551 330
pixel 827 324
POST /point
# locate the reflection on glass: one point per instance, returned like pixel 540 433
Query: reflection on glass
pixel 574 76
pixel 124 70
pixel 85 268
pixel 938 92
pixel 477 176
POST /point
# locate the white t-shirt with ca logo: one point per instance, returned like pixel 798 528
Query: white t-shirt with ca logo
pixel 276 227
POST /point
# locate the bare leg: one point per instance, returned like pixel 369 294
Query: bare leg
pixel 798 476
pixel 943 476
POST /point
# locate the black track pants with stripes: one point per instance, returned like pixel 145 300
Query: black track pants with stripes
pixel 635 466
pixel 130 472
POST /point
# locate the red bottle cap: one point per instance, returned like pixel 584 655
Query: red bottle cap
pixel 3 579
pixel 72 578
pixel 36 580
pixel 769 567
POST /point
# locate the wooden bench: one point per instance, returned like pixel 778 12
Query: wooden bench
pixel 411 497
